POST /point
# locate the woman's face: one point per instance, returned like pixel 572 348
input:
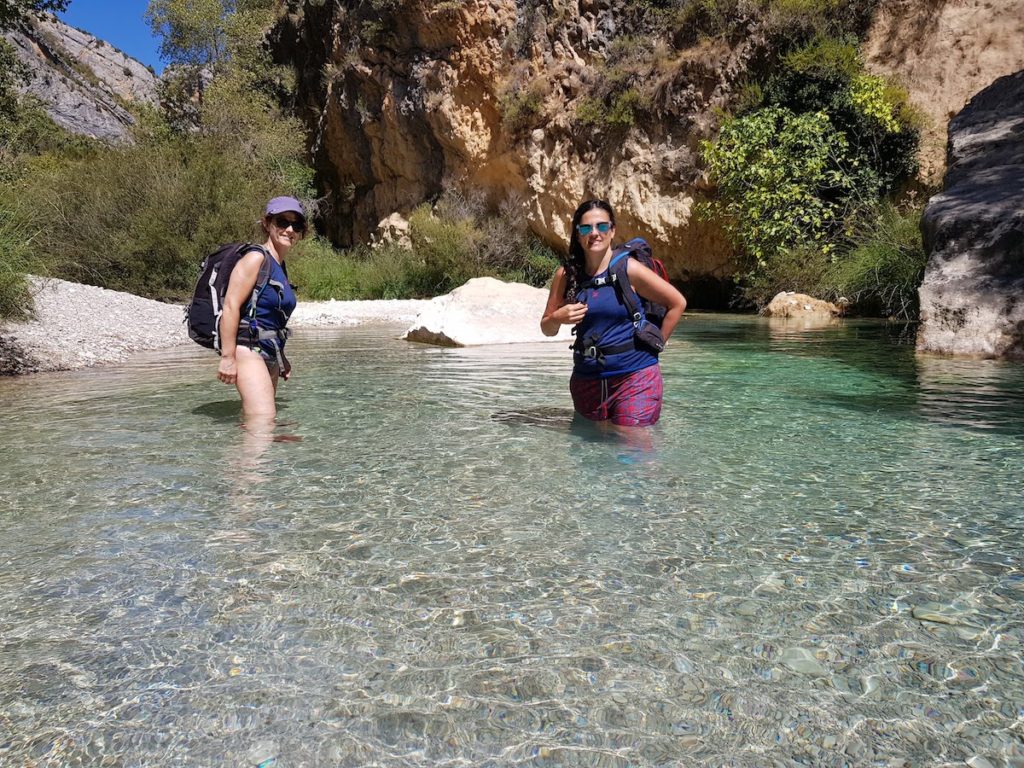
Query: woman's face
pixel 590 234
pixel 285 229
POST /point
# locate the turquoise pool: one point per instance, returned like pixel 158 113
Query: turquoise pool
pixel 815 559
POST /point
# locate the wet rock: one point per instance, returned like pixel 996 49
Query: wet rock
pixel 802 661
pixel 938 613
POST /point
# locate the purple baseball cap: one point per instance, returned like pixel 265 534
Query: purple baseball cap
pixel 285 205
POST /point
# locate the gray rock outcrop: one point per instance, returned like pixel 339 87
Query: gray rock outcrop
pixel 484 311
pixel 82 81
pixel 972 296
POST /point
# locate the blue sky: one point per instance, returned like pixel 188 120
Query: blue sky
pixel 118 22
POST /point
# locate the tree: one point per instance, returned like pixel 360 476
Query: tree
pixel 14 11
pixel 785 180
pixel 193 31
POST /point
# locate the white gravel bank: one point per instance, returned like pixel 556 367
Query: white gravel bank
pixel 77 326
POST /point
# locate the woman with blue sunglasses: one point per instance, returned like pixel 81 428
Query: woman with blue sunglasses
pixel 615 375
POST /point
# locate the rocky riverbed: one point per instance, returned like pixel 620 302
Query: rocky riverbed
pixel 77 326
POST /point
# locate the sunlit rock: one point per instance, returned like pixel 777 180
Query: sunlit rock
pixel 81 81
pixel 484 311
pixel 799 305
pixel 974 232
pixel 393 229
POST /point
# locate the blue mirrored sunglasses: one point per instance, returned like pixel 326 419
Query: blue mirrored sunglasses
pixel 602 226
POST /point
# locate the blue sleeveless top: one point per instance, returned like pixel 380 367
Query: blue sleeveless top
pixel 608 320
pixel 269 314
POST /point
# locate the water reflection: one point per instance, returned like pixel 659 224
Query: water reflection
pixel 979 394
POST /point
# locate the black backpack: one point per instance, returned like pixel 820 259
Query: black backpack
pixel 204 310
pixel 639 249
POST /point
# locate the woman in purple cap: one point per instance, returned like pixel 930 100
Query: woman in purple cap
pixel 252 358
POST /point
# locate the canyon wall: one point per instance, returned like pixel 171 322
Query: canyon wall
pixel 484 95
pixel 82 81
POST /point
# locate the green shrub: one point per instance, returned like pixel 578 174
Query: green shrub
pixel 451 243
pixel 15 301
pixel 321 273
pixel 520 107
pixel 139 218
pixel 804 270
pixel 785 181
pixel 884 266
pixel 448 249
pixel 827 75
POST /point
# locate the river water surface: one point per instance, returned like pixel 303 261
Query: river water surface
pixel 815 559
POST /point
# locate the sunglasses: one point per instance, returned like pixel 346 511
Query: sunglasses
pixel 602 226
pixel 283 222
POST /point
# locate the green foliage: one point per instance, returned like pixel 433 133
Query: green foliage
pixel 877 268
pixel 884 266
pixel 12 12
pixel 450 243
pixel 786 180
pixel 15 302
pixel 824 56
pixel 798 168
pixel 801 269
pixel 191 31
pixel 621 113
pixel 138 219
pixel 827 74
pixel 521 106
pixel 323 273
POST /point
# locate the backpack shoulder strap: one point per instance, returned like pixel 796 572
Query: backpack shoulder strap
pixel 262 277
pixel 619 271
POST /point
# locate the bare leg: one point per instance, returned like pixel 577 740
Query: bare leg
pixel 257 388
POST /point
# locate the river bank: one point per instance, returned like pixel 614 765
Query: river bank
pixel 78 326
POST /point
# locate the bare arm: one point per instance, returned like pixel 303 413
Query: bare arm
pixel 653 288
pixel 557 312
pixel 243 280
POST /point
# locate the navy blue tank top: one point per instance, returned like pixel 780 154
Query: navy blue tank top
pixel 271 315
pixel 608 320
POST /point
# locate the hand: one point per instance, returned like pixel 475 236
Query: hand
pixel 570 314
pixel 228 370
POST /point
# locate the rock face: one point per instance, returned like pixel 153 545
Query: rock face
pixel 82 81
pixel 944 53
pixel 404 99
pixel 972 297
pixel 484 311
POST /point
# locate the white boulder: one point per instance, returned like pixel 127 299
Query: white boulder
pixel 484 311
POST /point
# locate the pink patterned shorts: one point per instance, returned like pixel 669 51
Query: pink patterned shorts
pixel 629 400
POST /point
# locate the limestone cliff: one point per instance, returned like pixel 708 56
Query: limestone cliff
pixel 82 81
pixel 972 298
pixel 404 97
pixel 945 51
pixel 403 100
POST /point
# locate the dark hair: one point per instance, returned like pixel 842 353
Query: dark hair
pixel 575 264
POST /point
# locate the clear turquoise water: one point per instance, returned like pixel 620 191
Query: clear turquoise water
pixel 815 559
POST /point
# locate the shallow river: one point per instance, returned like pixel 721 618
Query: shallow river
pixel 815 559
